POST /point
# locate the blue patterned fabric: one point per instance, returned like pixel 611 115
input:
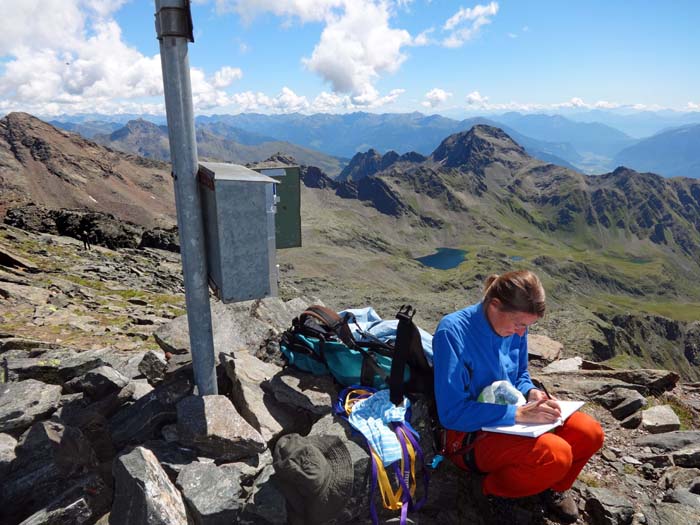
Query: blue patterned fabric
pixel 371 417
pixel 370 323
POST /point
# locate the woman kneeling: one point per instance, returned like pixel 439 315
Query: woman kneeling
pixel 485 343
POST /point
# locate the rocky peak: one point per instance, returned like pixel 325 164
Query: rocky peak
pixel 478 147
pixel 280 158
pixel 24 132
pixel 139 127
pixel 362 165
pixel 371 162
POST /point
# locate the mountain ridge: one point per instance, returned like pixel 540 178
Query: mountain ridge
pixel 214 143
pixel 40 163
pixel 673 153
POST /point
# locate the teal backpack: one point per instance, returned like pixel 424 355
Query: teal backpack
pixel 320 341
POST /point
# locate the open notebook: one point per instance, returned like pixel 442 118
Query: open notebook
pixel 534 430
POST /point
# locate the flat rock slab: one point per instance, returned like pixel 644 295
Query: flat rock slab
pixel 212 425
pixel 656 381
pixel 301 391
pixel 237 327
pixel 213 494
pixel 21 343
pixel 543 347
pixel 24 294
pixel 670 440
pixel 563 365
pixel 24 402
pixel 143 493
pixel 659 419
pixel 56 365
pixel 12 260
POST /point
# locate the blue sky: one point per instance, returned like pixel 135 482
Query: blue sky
pixel 441 56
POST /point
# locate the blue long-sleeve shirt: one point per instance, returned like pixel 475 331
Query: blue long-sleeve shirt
pixel 468 356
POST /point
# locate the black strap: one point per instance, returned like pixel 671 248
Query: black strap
pixel 401 348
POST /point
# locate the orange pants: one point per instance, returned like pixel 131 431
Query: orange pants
pixel 516 466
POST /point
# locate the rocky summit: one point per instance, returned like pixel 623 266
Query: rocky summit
pixel 98 418
pixel 99 424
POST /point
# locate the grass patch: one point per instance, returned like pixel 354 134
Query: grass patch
pixel 608 303
pixel 589 480
pixel 629 469
pixel 624 361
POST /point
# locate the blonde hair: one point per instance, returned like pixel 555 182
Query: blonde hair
pixel 519 291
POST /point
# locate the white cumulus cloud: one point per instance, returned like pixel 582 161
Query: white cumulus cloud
pixel 604 104
pixel 356 48
pixel 476 99
pixel 357 43
pixel 225 76
pixel 435 97
pixel 466 22
pixel 69 56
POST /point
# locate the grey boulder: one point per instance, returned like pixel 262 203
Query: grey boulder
pixel 24 402
pixel 212 493
pixel 212 425
pixel 98 382
pixel 143 494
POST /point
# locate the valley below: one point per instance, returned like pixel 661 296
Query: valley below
pixel 617 253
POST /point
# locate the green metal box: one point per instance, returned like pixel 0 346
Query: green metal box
pixel 288 191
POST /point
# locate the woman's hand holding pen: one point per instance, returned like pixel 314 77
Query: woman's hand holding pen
pixel 540 408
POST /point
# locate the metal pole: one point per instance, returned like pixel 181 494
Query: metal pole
pixel 174 30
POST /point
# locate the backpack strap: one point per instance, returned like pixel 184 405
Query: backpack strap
pixel 331 319
pixel 398 363
pixel 408 350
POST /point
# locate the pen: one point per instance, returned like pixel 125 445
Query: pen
pixel 540 385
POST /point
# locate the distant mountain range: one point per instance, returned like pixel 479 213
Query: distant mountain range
pixel 88 128
pixel 346 135
pixel 672 153
pixel 635 123
pixel 486 162
pixel 587 146
pixel 216 141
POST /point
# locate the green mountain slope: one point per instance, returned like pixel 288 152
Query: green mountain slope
pixel 619 244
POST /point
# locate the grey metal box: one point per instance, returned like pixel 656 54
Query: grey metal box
pixel 238 206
